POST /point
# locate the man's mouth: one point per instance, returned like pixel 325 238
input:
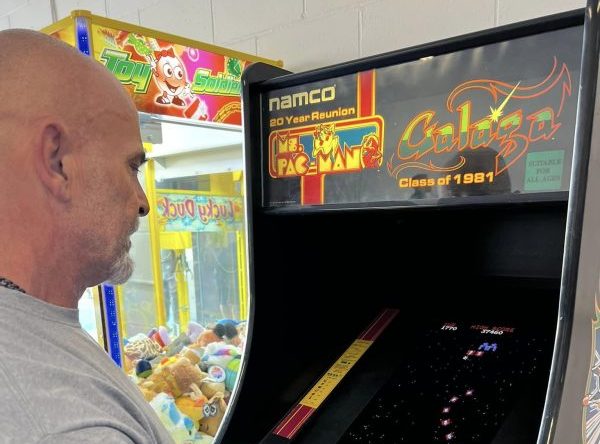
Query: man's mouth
pixel 135 227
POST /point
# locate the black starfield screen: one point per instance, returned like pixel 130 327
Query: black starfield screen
pixel 491 120
pixel 460 382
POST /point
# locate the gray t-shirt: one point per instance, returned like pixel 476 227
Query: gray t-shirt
pixel 59 386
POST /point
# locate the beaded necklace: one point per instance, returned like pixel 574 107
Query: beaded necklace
pixel 10 285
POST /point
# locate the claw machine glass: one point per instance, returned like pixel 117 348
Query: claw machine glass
pixel 178 326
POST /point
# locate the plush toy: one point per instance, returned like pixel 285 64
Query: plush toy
pixel 194 330
pixel 193 352
pixel 177 344
pixel 214 410
pixel 218 353
pixel 242 329
pixel 222 331
pixel 141 347
pixel 216 373
pixel 148 394
pixel 191 408
pixel 177 424
pixel 192 404
pixel 231 372
pixel 160 335
pixel 208 336
pixel 143 368
pixel 186 374
pixel 174 376
pixel 211 388
pixel 134 338
pixel 227 329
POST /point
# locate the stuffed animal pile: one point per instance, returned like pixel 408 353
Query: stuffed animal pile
pixel 188 379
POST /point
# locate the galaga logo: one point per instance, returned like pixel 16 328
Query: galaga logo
pixel 508 128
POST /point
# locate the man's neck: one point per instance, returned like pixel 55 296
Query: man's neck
pixel 49 281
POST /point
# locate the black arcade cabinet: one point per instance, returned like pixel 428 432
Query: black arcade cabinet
pixel 414 241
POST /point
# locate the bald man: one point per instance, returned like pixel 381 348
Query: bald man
pixel 70 152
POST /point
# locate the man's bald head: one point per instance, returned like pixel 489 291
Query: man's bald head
pixel 41 74
pixel 70 153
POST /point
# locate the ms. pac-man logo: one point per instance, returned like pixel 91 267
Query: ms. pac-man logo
pixel 345 146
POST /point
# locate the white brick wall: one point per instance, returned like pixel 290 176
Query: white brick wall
pixel 510 11
pixel 386 27
pixel 192 20
pixel 305 34
pixel 4 23
pixel 8 6
pixel 122 9
pixel 324 41
pixel 247 45
pixel 315 8
pixel 235 19
pixel 64 7
pixel 34 15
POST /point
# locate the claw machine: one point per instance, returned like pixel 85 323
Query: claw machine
pixel 424 249
pixel 178 327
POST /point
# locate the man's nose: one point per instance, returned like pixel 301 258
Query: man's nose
pixel 144 208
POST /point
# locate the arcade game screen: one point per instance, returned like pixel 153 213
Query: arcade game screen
pixel 471 383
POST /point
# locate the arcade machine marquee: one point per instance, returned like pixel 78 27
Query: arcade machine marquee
pixel 408 220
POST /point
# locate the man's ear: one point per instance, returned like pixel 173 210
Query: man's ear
pixel 50 155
